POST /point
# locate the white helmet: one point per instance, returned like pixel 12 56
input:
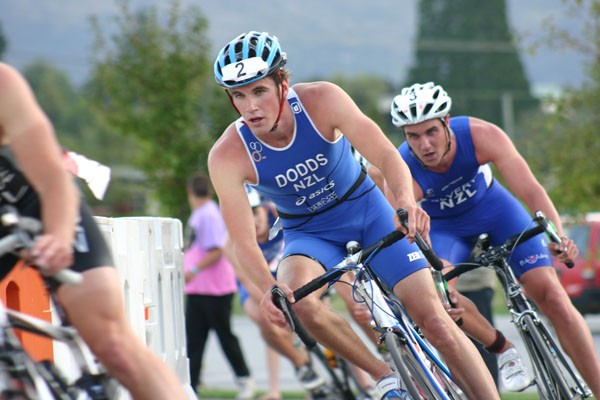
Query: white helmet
pixel 419 103
pixel 253 196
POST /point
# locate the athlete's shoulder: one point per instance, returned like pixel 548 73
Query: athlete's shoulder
pixel 482 129
pixel 316 91
pixel 227 145
pixel 10 83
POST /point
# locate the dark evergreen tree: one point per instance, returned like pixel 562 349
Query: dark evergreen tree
pixel 467 47
pixel 3 43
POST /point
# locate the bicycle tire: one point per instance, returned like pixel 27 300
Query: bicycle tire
pixel 337 385
pixel 550 381
pixel 453 391
pixel 350 380
pixel 409 369
pixel 25 381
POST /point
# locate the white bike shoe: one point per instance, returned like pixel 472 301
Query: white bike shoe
pixel 390 388
pixel 513 373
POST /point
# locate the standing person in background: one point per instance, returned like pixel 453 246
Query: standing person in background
pixel 36 182
pixel 210 286
pixel 450 159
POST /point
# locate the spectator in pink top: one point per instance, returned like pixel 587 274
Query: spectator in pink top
pixel 210 286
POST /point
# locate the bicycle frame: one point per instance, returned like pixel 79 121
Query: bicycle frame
pixel 388 318
pixel 539 342
pixel 554 377
pixel 42 380
pixel 392 322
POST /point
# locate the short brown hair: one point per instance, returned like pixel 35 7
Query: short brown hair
pixel 199 184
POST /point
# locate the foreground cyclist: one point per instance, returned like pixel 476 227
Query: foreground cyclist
pixel 36 182
pixel 448 158
pixel 289 144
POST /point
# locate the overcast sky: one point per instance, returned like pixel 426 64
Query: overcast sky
pixel 321 37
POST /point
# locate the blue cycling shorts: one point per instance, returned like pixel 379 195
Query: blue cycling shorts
pixel 500 215
pixel 365 217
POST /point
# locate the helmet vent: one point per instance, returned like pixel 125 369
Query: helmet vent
pixel 441 107
pixel 413 110
pixel 427 109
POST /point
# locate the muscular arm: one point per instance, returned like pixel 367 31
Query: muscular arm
pixel 334 112
pixel 227 171
pixel 493 145
pixel 27 130
pixel 241 273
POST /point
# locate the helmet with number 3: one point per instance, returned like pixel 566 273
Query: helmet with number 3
pixel 420 102
pixel 248 58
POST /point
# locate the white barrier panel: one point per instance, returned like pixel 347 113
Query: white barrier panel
pixel 148 254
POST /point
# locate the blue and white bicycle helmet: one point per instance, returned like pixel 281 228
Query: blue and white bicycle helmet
pixel 247 58
pixel 253 196
pixel 420 102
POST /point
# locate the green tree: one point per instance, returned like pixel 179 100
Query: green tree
pixel 153 82
pixel 367 92
pixel 562 146
pixel 3 42
pixel 467 47
pixel 76 126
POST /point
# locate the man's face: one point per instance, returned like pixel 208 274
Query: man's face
pixel 428 140
pixel 258 103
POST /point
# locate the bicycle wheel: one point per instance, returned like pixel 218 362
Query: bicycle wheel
pixel 446 381
pixel 22 380
pixel 351 381
pixel 551 383
pixel 417 383
pixel 338 386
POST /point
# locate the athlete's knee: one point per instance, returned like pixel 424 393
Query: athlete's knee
pixel 439 331
pixel 310 311
pixel 116 350
pixel 554 301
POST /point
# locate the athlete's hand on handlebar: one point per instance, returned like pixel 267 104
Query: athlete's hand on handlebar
pixel 418 221
pixel 51 253
pixel 455 310
pixel 566 251
pixel 268 308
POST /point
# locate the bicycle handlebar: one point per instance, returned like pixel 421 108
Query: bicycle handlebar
pixel 506 247
pixel 427 251
pixel 335 272
pixel 22 231
pixel 550 231
pixel 282 303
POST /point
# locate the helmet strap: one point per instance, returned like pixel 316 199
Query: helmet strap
pixel 232 103
pixel 448 136
pixel 282 99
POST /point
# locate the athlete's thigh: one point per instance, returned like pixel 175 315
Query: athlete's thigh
pixel 296 270
pixel 542 283
pixel 418 295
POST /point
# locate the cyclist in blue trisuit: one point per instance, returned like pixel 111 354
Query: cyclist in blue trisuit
pixel 449 160
pixel 292 144
pixel 36 182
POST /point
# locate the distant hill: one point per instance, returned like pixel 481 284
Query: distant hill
pixel 320 37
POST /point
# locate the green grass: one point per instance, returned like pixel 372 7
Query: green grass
pixel 520 396
pixel 208 394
